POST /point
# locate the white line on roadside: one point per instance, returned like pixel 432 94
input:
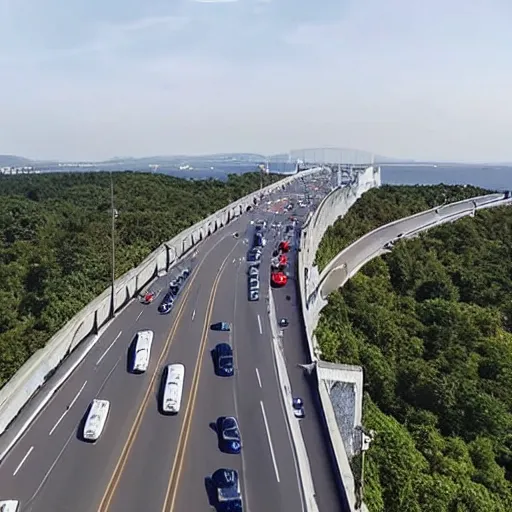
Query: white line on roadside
pixel 109 347
pixel 23 460
pixel 140 314
pixel 258 376
pixel 67 408
pixel 193 315
pixel 259 324
pixel 269 441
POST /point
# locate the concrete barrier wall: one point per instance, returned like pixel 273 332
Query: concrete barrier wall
pixel 35 372
pixel 348 262
pixel 334 205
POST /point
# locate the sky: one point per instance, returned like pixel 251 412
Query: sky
pixel 91 79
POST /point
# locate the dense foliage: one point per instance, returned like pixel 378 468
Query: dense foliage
pixel 431 325
pixel 55 242
pixel 382 205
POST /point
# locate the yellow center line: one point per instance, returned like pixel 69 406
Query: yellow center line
pixel 121 463
pixel 174 479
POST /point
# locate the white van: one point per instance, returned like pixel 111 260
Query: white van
pixel 142 351
pixel 173 390
pixel 96 419
pixel 9 506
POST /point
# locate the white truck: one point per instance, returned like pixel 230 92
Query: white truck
pixel 9 505
pixel 174 376
pixel 96 419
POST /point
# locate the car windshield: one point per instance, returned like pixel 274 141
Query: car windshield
pixel 226 361
pixel 231 433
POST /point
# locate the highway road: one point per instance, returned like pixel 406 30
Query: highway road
pixel 295 349
pixel 146 461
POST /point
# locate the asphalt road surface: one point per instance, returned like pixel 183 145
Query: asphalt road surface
pixel 146 461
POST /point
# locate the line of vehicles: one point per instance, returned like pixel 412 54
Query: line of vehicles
pixel 254 258
pixel 139 353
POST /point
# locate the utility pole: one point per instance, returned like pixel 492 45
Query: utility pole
pixel 113 235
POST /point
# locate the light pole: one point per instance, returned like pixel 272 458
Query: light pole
pixel 113 234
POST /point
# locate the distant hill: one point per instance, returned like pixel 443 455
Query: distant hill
pixel 14 161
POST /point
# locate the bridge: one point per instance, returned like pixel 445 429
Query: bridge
pixel 143 459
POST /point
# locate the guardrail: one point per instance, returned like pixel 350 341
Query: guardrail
pixel 40 367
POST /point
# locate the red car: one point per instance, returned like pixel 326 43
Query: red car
pixel 283 260
pixel 278 278
pixel 284 246
pixel 148 297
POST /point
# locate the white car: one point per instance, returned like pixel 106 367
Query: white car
pixel 142 351
pixel 9 505
pixel 96 419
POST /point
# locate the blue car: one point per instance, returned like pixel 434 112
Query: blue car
pixel 221 326
pixel 228 433
pixel 166 304
pixel 227 490
pixel 223 358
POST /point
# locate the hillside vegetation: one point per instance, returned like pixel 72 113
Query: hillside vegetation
pixel 379 206
pixel 431 325
pixel 55 242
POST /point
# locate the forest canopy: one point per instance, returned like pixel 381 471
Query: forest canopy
pixel 431 324
pixel 382 205
pixel 55 241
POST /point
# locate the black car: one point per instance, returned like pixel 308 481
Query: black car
pixel 223 359
pixel 228 433
pixel 283 322
pixel 166 304
pixel 226 485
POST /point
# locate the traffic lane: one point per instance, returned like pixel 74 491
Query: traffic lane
pixel 115 361
pixel 64 396
pixel 62 486
pixel 215 398
pixel 131 314
pixel 151 457
pixel 315 437
pixel 48 435
pixel 46 418
pixel 269 458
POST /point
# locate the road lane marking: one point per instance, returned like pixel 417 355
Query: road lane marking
pixel 258 376
pixel 173 486
pixel 47 475
pixel 259 324
pixel 67 409
pixel 132 435
pixel 193 315
pixel 140 314
pixel 23 461
pixel 109 347
pixel 270 441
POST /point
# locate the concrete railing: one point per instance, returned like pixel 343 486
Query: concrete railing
pixel 348 262
pixel 334 205
pixel 37 370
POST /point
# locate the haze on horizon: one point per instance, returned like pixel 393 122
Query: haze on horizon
pixel 87 80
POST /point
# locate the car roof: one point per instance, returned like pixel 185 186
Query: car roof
pixel 223 347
